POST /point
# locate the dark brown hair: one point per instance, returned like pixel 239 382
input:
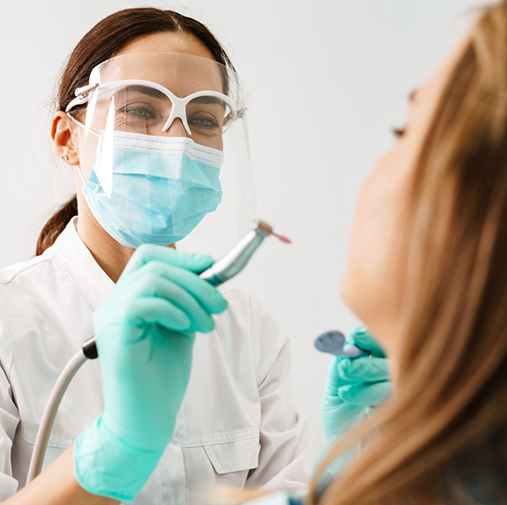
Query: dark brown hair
pixel 103 41
pixel 442 438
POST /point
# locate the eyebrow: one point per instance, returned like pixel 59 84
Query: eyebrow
pixel 412 95
pixel 208 99
pixel 155 93
pixel 144 90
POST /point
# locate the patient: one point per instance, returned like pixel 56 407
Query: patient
pixel 428 275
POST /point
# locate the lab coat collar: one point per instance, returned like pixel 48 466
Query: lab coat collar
pixel 80 265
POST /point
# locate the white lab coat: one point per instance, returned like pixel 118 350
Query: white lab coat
pixel 238 425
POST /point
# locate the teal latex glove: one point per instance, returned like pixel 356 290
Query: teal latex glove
pixel 354 386
pixel 145 333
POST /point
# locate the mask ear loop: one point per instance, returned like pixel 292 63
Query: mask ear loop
pixel 78 168
pixel 104 171
pixel 76 121
pixel 80 124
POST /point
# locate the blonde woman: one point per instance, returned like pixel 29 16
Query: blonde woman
pixel 428 275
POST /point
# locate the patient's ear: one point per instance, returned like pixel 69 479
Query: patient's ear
pixel 63 133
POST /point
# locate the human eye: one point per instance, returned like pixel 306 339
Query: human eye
pixel 139 111
pixel 204 121
pixel 399 132
pixel 205 115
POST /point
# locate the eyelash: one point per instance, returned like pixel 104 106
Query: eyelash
pixel 399 132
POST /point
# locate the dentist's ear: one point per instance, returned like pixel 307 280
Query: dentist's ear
pixel 63 135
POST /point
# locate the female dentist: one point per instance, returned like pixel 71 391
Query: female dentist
pixel 166 413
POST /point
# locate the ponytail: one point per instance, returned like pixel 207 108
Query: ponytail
pixel 56 225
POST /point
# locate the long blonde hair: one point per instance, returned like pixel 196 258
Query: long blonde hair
pixel 443 436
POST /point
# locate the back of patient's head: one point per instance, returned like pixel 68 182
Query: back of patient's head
pixel 442 438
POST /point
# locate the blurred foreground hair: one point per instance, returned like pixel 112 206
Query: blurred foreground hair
pixel 443 436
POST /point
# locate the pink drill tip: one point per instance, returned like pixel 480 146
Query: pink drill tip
pixel 284 239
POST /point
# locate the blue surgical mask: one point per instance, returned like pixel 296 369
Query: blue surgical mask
pixel 160 187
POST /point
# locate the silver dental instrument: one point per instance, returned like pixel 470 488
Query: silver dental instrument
pixel 333 342
pixel 234 261
pixel 221 271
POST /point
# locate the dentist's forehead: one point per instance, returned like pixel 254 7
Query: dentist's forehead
pixel 182 74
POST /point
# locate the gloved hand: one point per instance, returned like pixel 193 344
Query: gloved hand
pixel 354 386
pixel 145 333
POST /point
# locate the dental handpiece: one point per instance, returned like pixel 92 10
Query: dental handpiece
pixel 222 270
pixel 333 342
pixel 236 259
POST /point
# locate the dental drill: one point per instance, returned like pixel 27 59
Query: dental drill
pixel 221 271
pixel 233 262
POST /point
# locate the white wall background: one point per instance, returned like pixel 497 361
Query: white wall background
pixel 327 81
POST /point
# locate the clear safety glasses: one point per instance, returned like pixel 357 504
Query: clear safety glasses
pixel 159 95
pixel 140 106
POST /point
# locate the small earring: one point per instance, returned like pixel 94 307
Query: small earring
pixel 65 157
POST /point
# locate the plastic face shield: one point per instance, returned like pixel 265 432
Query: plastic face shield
pixel 173 95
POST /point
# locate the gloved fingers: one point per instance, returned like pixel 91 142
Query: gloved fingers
pixel 365 394
pixel 339 409
pixel 336 421
pixel 362 338
pixel 332 373
pixel 143 311
pixel 334 381
pixel 151 286
pixel 363 369
pixel 149 252
pixel 207 296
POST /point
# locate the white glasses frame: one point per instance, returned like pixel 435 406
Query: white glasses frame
pixel 178 104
